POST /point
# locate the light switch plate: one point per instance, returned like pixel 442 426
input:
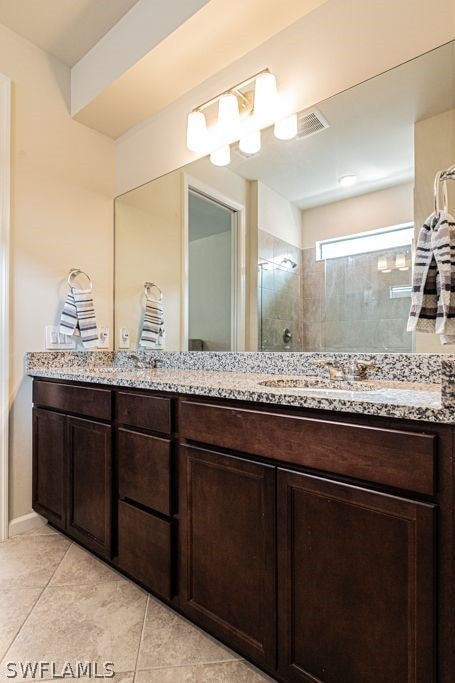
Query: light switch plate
pixel 55 341
pixel 124 338
pixel 103 334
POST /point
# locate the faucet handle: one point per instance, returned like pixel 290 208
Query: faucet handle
pixel 359 368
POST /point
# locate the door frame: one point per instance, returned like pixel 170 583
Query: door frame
pixel 5 173
pixel 238 322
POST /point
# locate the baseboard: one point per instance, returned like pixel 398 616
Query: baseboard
pixel 24 523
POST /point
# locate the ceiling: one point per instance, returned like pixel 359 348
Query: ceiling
pixel 67 29
pixel 213 38
pixel 206 218
pixel 371 135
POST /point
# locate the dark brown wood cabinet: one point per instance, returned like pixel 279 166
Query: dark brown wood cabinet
pixel 227 544
pixel 355 584
pixel 89 482
pixel 320 546
pixel 49 476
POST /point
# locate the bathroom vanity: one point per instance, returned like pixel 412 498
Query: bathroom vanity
pixel 318 544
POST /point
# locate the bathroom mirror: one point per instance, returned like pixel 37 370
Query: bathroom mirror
pixel 305 245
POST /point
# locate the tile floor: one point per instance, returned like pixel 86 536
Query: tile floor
pixel 58 603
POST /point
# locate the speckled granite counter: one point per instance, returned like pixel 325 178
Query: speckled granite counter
pixel 406 400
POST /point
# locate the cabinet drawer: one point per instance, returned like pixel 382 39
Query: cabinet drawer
pixel 391 457
pixel 144 465
pixel 146 412
pixel 145 548
pixel 86 401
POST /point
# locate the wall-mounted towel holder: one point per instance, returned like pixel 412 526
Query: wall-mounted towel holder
pixel 149 288
pixel 74 272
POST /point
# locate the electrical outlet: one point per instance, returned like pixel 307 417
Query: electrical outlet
pixel 124 338
pixel 103 334
pixel 55 341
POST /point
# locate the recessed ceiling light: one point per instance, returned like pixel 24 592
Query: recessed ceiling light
pixel 347 180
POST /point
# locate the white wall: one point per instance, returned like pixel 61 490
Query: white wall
pixel 277 216
pixel 434 141
pixel 148 232
pixel 336 46
pixel 369 211
pixel 210 291
pixel 62 190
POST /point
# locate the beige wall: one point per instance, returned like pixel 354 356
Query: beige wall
pixel 278 217
pixel 61 216
pixel 148 229
pixel 370 211
pixel 434 141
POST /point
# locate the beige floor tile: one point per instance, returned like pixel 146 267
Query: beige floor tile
pixel 15 606
pixel 42 530
pixel 226 672
pixel 171 640
pixel 86 623
pixel 80 567
pixel 29 561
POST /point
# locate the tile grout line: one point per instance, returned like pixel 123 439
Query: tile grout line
pixel 35 604
pixel 141 638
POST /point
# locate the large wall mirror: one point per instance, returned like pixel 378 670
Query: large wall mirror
pixel 307 244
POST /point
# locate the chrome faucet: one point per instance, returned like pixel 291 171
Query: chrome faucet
pixel 335 372
pixel 138 363
pixel 356 371
pixel 144 362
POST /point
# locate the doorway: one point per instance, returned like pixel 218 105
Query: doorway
pixel 5 137
pixel 214 294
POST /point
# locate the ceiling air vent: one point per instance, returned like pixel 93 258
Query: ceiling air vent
pixel 310 123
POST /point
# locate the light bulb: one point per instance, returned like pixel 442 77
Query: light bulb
pixel 383 265
pixel 286 129
pixel 347 180
pixel 196 132
pixel 228 116
pixel 264 96
pixel 251 143
pixel 221 156
pixel 400 262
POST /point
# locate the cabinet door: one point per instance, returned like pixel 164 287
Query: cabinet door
pixel 90 484
pixel 49 465
pixel 355 584
pixel 227 544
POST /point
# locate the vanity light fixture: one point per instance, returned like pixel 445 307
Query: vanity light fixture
pixel 196 132
pixel 243 111
pixel 265 96
pixel 221 156
pixel 347 180
pixel 228 116
pixel 400 262
pixel 251 143
pixel 383 265
pixel 286 129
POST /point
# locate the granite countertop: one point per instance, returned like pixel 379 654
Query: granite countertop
pixel 405 400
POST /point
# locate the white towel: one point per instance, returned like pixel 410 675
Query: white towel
pixel 152 332
pixel 433 285
pixel 78 317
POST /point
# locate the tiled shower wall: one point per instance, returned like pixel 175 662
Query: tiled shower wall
pixel 341 304
pixel 347 304
pixel 279 294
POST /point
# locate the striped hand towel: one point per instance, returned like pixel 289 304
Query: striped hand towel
pixel 152 332
pixel 433 286
pixel 78 317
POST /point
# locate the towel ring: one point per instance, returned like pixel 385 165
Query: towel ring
pixel 74 272
pixel 440 179
pixel 148 287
